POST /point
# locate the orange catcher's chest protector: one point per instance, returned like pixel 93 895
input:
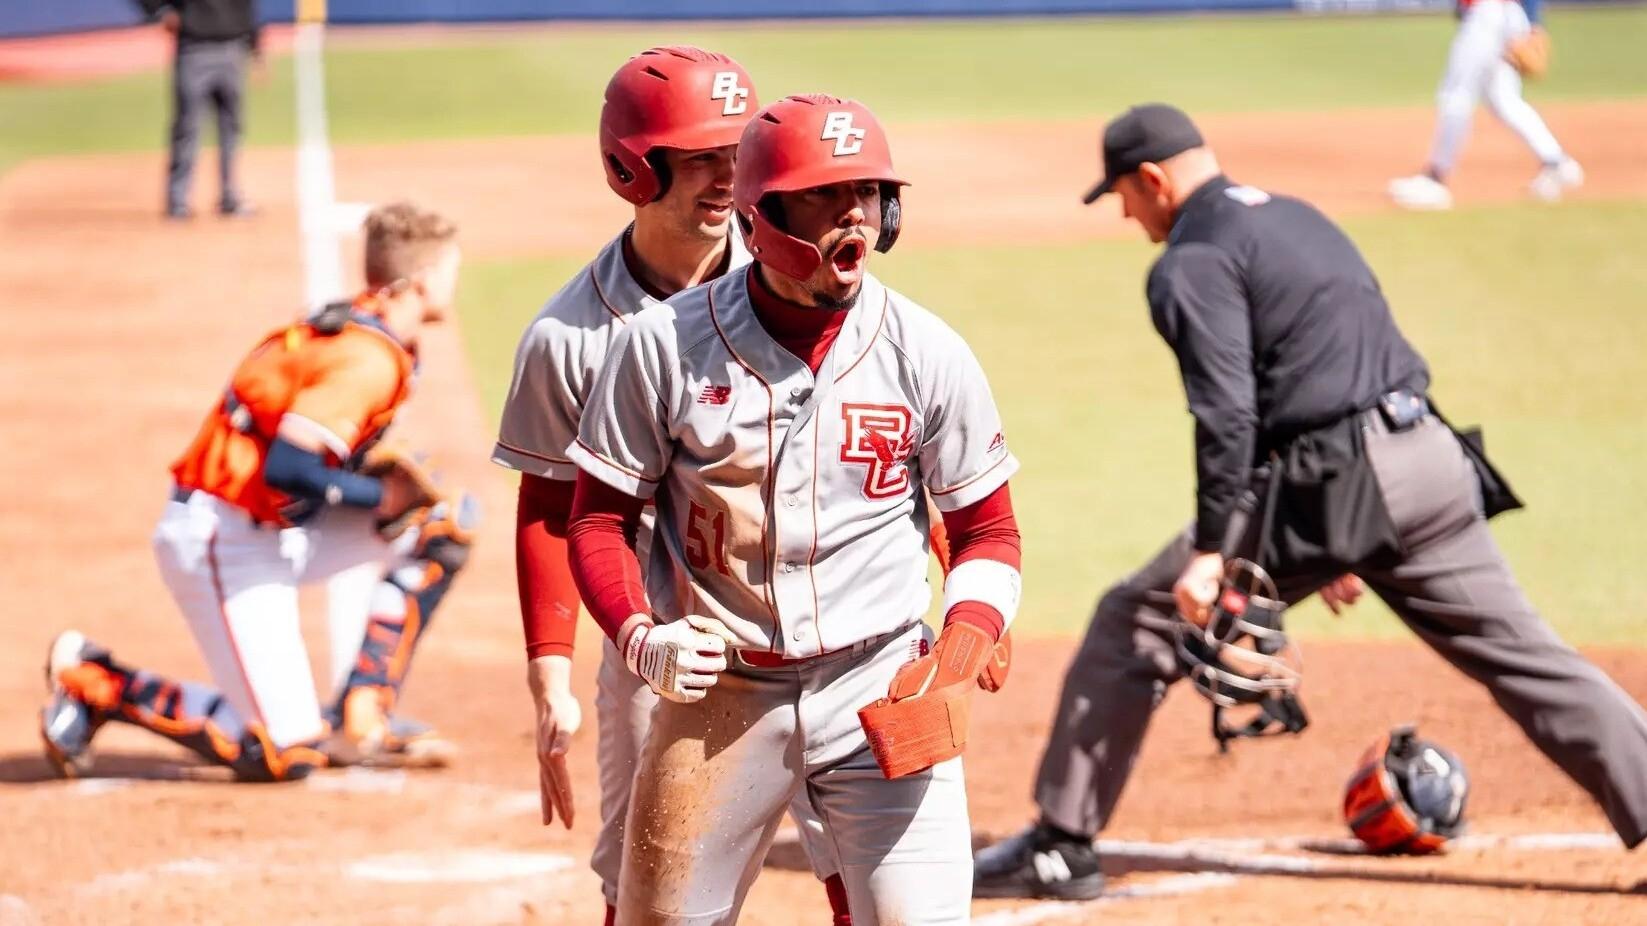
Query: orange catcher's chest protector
pixel 339 369
pixel 1406 796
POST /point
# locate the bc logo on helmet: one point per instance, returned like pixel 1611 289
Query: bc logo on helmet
pixel 848 138
pixel 726 88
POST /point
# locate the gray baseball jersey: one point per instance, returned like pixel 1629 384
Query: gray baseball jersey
pixel 559 356
pixel 788 504
pixel 555 366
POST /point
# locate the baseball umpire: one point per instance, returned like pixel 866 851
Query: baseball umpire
pixel 1290 357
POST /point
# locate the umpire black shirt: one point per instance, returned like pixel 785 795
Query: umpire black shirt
pixel 1279 327
pixel 210 20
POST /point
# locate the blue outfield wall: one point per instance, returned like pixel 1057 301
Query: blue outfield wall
pixel 35 17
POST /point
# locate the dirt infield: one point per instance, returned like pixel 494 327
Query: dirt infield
pixel 119 329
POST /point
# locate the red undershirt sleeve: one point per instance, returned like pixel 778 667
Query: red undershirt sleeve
pixel 601 537
pixel 543 576
pixel 985 529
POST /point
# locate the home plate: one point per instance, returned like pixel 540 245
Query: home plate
pixel 470 866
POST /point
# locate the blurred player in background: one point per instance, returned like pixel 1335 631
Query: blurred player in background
pixel 281 487
pixel 215 40
pixel 1497 41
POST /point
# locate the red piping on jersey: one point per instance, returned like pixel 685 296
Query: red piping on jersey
pixel 885 300
pixel 601 295
pixel 617 466
pixel 770 482
pixel 528 453
pixel 811 569
pixel 956 488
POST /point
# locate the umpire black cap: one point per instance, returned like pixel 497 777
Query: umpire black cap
pixel 1150 132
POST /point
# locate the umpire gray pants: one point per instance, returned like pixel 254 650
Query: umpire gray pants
pixel 1453 589
pixel 206 74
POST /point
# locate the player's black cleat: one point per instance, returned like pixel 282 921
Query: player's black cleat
pixel 1038 863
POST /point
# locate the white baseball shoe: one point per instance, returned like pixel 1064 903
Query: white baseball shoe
pixel 1556 179
pixel 1420 192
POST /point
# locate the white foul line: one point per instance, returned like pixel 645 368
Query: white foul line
pixel 1174 886
pixel 322 267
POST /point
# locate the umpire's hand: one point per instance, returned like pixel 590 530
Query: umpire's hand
pixel 1197 587
pixel 559 716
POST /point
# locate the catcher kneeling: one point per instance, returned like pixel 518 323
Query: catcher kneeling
pixel 281 488
pixel 786 420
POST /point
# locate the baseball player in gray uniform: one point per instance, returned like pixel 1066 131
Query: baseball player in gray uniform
pixel 668 130
pixel 785 420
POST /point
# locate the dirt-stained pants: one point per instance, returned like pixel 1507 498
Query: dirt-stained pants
pixel 714 778
pixel 1453 589
pixel 623 710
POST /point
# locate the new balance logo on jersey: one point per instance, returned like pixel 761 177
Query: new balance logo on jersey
pixel 848 138
pixel 726 88
pixel 714 395
pixel 878 436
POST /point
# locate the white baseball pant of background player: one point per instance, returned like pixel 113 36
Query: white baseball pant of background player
pixel 699 408
pixel 1476 70
pixel 555 367
pixel 236 584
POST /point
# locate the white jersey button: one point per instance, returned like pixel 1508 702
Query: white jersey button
pixel 796 636
pixel 791 501
pixel 788 567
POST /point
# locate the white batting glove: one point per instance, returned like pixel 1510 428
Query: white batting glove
pixel 679 660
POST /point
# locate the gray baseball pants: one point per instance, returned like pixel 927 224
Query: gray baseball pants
pixel 205 74
pixel 713 780
pixel 1453 589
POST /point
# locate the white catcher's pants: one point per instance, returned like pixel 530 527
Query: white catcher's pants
pixel 236 584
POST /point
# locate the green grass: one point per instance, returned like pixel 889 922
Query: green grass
pixel 1530 317
pixel 493 83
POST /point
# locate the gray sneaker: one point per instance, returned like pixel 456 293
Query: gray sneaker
pixel 1038 864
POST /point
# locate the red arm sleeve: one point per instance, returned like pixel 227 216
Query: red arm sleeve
pixel 985 529
pixel 548 594
pixel 602 537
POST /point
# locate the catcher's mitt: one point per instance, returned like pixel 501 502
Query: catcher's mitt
pixel 415 486
pixel 1530 54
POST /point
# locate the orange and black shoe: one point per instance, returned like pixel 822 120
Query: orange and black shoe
pixel 83 691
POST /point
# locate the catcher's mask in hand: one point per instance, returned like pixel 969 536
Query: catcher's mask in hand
pixel 1242 658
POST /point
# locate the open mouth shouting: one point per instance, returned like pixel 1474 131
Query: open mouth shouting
pixel 847 258
pixel 717 211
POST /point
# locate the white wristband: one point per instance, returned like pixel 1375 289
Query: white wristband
pixel 986 581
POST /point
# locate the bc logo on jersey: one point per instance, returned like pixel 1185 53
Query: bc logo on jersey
pixel 848 138
pixel 878 436
pixel 726 88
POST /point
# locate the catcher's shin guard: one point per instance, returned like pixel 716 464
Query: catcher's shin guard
pixel 199 719
pixel 404 604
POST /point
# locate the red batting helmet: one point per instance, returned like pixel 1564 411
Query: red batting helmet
pixel 674 96
pixel 802 142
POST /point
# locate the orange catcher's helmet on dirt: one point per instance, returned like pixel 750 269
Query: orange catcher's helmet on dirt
pixel 802 142
pixel 1407 795
pixel 673 96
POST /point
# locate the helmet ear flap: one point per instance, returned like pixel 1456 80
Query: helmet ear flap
pixel 660 169
pixel 892 214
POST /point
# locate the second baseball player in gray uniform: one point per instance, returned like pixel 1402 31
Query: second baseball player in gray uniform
pixel 785 419
pixel 690 124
